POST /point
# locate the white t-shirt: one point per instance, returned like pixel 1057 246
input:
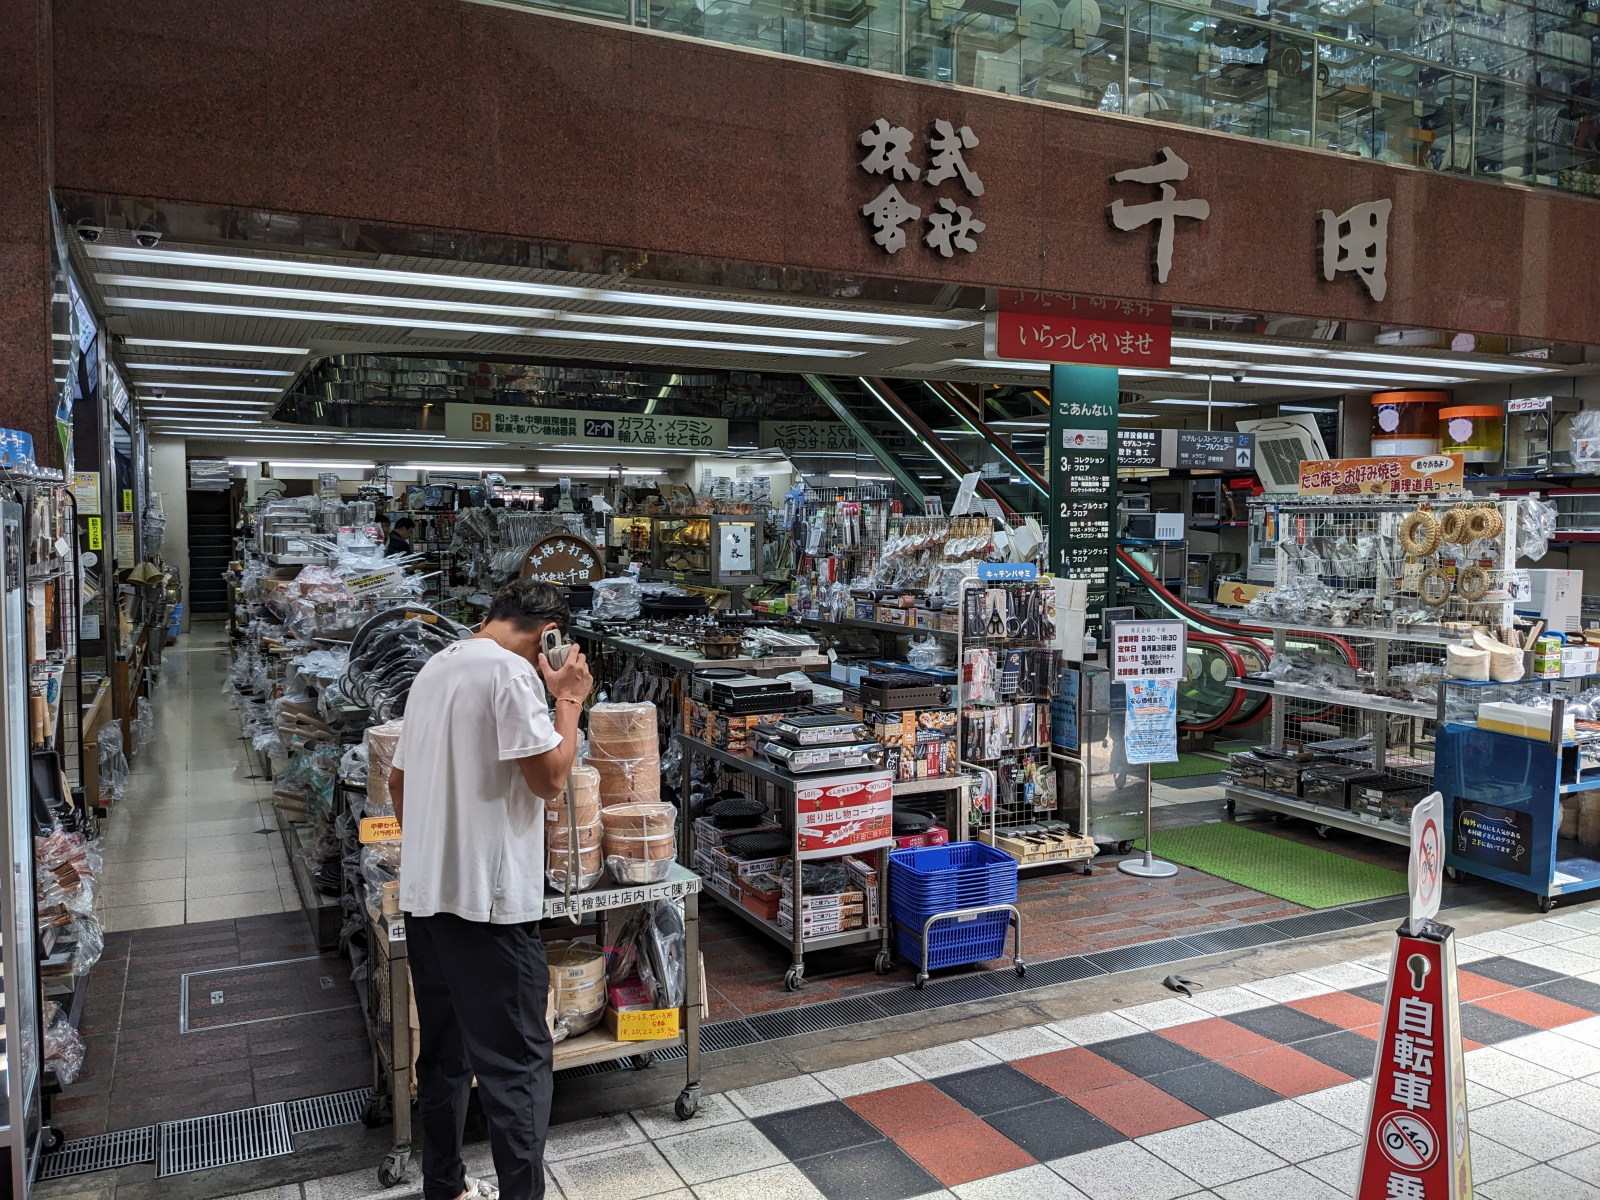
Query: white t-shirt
pixel 472 842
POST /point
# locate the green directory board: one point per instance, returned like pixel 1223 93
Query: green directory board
pixel 1083 477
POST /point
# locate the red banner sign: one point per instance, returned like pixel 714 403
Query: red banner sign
pixel 1093 330
pixel 1416 1143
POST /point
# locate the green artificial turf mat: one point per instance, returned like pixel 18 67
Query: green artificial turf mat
pixel 1304 875
pixel 1187 764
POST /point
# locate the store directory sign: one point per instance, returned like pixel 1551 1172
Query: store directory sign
pixel 1083 476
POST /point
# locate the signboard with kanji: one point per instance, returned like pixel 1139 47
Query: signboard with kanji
pixel 1083 476
pixel 1381 476
pixel 543 426
pixel 1148 650
pixel 1092 330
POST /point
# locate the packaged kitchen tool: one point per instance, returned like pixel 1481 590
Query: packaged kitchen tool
pixel 623 749
pixel 578 979
pixel 808 760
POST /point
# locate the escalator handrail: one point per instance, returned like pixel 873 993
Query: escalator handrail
pixel 1236 669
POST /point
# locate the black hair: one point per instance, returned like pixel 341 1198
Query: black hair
pixel 404 523
pixel 528 604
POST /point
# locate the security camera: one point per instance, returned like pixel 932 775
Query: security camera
pixel 87 230
pixel 1238 376
pixel 157 393
pixel 147 237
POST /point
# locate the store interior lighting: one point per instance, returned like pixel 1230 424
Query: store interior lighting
pixel 1400 362
pixel 323 466
pixel 1203 403
pixel 225 347
pixel 203 369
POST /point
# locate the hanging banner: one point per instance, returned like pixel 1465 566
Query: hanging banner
pixel 1087 330
pixel 1381 476
pixel 1083 477
pixel 541 426
pixel 1150 732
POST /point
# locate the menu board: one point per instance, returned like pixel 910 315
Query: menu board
pixel 1083 476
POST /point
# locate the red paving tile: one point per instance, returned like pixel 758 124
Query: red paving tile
pixel 957 1154
pixel 1341 1008
pixel 1072 1071
pixel 914 1108
pixel 1217 1038
pixel 1137 1108
pixel 1286 1071
pixel 1542 1012
pixel 1476 987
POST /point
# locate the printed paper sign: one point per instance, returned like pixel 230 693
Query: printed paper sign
pixel 1425 871
pixel 1147 650
pixel 1150 732
pixel 1381 476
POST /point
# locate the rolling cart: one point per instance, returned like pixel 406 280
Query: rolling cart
pixel 953 905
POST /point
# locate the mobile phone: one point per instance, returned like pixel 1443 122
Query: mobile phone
pixel 555 648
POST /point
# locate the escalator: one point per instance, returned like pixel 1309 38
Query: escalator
pixel 1219 649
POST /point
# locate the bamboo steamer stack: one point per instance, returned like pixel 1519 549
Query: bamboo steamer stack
pixel 578 986
pixel 622 747
pixel 640 841
pixel 585 791
pixel 381 741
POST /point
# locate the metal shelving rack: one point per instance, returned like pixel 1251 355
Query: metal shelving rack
pixel 1400 747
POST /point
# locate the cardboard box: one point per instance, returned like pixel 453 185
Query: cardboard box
pixel 934 835
pixel 763 906
pixel 924 618
pixel 892 614
pixel 644 1025
pixel 863 607
pixel 821 926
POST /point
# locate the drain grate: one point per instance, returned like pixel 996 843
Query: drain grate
pixel 235 1137
pixel 327 1112
pixel 103 1152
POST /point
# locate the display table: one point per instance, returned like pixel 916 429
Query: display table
pixel 386 1001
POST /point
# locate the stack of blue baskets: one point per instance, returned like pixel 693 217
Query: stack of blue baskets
pixel 937 879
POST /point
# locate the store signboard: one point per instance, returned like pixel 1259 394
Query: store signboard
pixel 1083 476
pixel 1235 594
pixel 1148 650
pixel 1416 1142
pixel 1150 728
pixel 1088 330
pixel 1208 450
pixel 826 437
pixel 1529 404
pixel 1008 572
pixel 1138 447
pixel 582 427
pixel 1381 476
pixel 96 538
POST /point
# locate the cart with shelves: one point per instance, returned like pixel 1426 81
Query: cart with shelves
pixel 1345 556
pixel 387 1005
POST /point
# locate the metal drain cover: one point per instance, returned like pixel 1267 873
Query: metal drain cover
pixel 102 1152
pixel 328 1112
pixel 201 1143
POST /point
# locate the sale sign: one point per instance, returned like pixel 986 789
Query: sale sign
pixel 1416 1144
pixel 1091 330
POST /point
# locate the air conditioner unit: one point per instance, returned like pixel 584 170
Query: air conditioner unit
pixel 1282 444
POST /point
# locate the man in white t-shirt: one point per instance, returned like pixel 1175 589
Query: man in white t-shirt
pixel 477 752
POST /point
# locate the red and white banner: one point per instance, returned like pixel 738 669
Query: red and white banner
pixel 1416 1145
pixel 1094 330
pixel 840 813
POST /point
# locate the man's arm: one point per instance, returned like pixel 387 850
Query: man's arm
pixel 546 774
pixel 397 793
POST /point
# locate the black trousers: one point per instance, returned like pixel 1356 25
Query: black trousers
pixel 481 992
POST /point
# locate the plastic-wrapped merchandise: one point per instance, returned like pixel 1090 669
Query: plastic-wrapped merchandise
pixel 623 749
pixel 63 1045
pixel 1586 439
pixel 90 943
pixel 380 742
pixel 578 983
pixel 561 852
pixel 651 949
pixel 353 764
pixel 380 863
pixel 144 722
pixel 113 763
pixel 926 652
pixel 616 598
pixel 640 841
pixel 1536 525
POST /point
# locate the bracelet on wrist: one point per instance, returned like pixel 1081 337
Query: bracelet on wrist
pixel 568 700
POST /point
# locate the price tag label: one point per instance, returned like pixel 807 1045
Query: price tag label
pixel 379 829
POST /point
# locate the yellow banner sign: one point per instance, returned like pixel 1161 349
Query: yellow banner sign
pixel 379 829
pixel 96 539
pixel 1381 476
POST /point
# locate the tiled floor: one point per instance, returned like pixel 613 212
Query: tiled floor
pixel 1255 1092
pixel 194 838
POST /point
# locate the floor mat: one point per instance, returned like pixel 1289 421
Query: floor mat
pixel 1187 764
pixel 1303 875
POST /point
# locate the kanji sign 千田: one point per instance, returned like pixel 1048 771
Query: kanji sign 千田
pixel 1095 330
pixel 1148 650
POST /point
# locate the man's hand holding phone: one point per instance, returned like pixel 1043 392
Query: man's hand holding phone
pixel 571 679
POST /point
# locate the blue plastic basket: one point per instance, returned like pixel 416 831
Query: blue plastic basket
pixel 934 879
pixel 954 942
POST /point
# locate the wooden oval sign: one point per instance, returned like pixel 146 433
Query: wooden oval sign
pixel 564 558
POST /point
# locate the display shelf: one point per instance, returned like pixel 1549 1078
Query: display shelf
pixel 598 1046
pixel 1388 704
pixel 1334 818
pixel 680 882
pixel 688 659
pixel 824 941
pixel 1582 785
pixel 1421 637
pixel 878 627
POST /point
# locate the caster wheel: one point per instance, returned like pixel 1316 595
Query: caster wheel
pixel 1087 869
pixel 1546 903
pixel 1229 807
pixel 1124 847
pixel 51 1138
pixel 372 1114
pixel 1021 969
pixel 1453 875
pixel 642 1062
pixel 688 1103
pixel 393 1171
pixel 922 978
pixel 794 979
pixel 884 963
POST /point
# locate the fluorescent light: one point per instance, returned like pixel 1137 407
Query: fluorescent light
pixel 1398 361
pixel 1308 408
pixel 1038 424
pixel 211 387
pixel 239 347
pixel 323 296
pixel 419 466
pixel 989 364
pixel 346 318
pixel 326 466
pixel 244 462
pixel 598 470
pixel 480 283
pixel 1400 376
pixel 864 478
pixel 1139 416
pixel 201 369
pixel 1206 403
